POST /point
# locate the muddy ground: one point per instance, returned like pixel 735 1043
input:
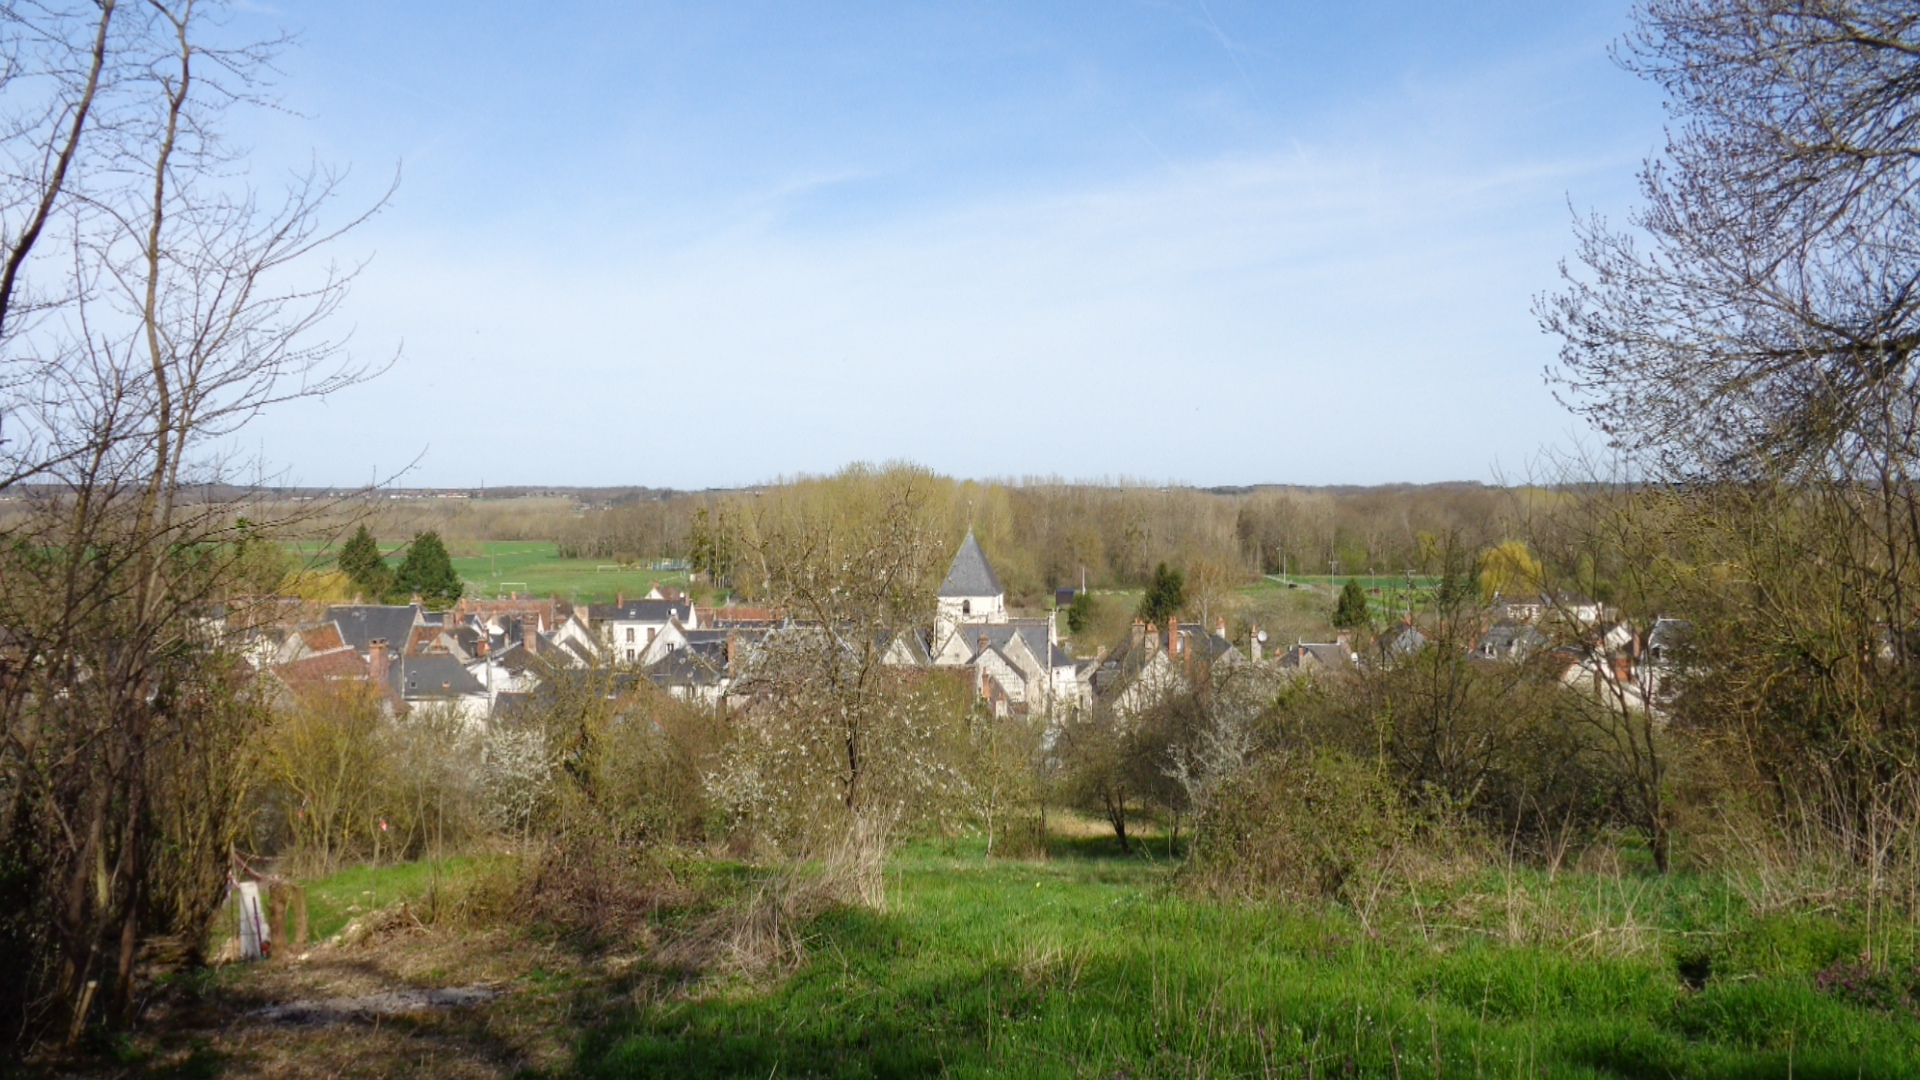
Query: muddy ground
pixel 408 1002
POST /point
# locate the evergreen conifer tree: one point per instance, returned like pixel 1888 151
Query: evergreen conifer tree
pixel 1080 613
pixel 1351 613
pixel 427 572
pixel 1165 593
pixel 360 560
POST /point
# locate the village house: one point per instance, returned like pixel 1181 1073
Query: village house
pixel 627 627
pixel 1152 665
pixel 1398 644
pixel 1315 657
pixel 1510 641
pixel 403 681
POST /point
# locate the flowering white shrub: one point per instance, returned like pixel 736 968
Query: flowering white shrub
pixel 515 775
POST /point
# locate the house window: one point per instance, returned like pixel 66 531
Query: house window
pixel 629 634
pixel 966 607
pixel 629 652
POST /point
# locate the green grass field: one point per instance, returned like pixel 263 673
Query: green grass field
pixel 1317 595
pixel 1383 582
pixel 1091 966
pixel 493 568
pixel 535 567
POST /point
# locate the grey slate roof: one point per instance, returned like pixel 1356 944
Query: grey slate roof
pixel 506 702
pixel 1401 640
pixel 687 667
pixel 1209 645
pixel 361 623
pixel 1329 655
pixel 1507 640
pixel 1031 631
pixel 640 611
pixel 441 676
pixel 1667 637
pixel 970 575
pixel 915 646
pixel 513 654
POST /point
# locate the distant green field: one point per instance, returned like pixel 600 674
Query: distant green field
pixel 534 567
pixel 1383 582
pixel 1386 593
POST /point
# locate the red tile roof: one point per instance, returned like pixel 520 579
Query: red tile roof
pixel 322 639
pixel 327 668
pixel 421 641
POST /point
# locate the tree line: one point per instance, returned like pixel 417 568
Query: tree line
pixel 1045 534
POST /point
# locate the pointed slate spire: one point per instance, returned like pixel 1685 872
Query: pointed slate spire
pixel 970 575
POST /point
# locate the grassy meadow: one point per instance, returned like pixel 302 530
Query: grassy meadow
pixel 534 567
pixel 1090 964
pixel 494 568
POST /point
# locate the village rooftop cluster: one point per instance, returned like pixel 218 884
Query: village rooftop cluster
pixel 483 658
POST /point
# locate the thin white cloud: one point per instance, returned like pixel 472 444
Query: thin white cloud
pixel 1268 305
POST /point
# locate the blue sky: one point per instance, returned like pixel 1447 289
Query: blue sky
pixel 706 244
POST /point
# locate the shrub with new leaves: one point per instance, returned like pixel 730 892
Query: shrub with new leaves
pixel 1305 826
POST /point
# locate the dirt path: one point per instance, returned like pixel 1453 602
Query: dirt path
pixel 417 1003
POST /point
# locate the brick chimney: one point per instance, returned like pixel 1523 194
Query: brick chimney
pixel 1220 626
pixel 1345 640
pixel 530 635
pixel 377 661
pixel 1622 668
pixel 619 599
pixel 1173 638
pixel 983 645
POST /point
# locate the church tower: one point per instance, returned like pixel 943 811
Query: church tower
pixel 971 593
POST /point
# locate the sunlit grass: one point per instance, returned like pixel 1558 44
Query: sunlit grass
pixel 1098 966
pixel 337 899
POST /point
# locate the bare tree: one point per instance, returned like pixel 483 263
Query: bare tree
pixel 1773 310
pixel 183 302
pixel 1751 342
